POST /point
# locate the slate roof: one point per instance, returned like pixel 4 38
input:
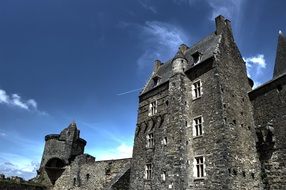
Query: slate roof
pixel 206 47
pixel 280 61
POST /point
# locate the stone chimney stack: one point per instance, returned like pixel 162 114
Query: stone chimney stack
pixel 222 25
pixel 157 65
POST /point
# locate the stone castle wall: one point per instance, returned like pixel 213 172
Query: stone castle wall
pixel 269 102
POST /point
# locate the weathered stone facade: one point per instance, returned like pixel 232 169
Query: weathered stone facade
pixel 226 145
pixel 200 126
pixel 65 166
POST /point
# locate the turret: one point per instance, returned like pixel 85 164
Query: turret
pixel 280 61
pixel 60 150
pixel 179 62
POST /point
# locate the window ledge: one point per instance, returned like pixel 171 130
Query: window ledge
pixel 199 178
pixel 197 137
pixel 197 98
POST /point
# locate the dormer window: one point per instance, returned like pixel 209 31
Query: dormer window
pixel 196 57
pixel 156 81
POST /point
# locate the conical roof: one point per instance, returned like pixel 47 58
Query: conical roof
pixel 280 61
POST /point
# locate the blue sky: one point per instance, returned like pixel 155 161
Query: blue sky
pixel 66 60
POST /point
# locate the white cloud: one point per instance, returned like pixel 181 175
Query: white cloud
pixel 255 66
pixel 17 165
pixel 27 170
pixel 161 40
pixel 16 100
pixel 122 151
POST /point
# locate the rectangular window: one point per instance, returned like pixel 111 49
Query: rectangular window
pixel 199 167
pixel 150 140
pixel 197 89
pixel 163 176
pixel 152 108
pixel 164 141
pixel 148 171
pixel 198 126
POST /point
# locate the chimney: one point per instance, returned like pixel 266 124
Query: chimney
pixel 222 25
pixel 183 48
pixel 157 65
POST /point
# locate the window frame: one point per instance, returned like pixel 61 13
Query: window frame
pixel 197 91
pixel 198 128
pixel 153 108
pixel 148 171
pixel 164 141
pixel 199 167
pixel 150 142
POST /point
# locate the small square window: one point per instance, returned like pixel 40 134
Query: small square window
pixel 150 140
pixel 198 126
pixel 153 108
pixel 148 171
pixel 197 89
pixel 199 167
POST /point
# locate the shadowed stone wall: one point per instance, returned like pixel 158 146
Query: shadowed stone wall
pixel 269 102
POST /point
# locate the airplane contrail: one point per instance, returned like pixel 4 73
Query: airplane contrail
pixel 130 91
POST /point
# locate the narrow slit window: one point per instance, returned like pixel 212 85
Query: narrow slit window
pixel 163 176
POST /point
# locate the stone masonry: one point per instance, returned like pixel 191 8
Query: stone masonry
pixel 200 126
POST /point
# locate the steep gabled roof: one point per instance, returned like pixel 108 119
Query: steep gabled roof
pixel 206 47
pixel 280 61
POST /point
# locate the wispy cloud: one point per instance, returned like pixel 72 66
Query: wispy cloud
pixel 26 171
pixel 161 40
pixel 129 91
pixel 122 151
pixel 230 9
pixel 2 134
pixel 16 100
pixel 16 165
pixel 146 5
pixel 255 66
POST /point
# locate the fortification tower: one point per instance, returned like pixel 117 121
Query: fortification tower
pixel 60 150
pixel 195 128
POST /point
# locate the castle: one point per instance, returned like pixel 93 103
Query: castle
pixel 200 126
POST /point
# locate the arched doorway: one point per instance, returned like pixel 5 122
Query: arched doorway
pixel 54 168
